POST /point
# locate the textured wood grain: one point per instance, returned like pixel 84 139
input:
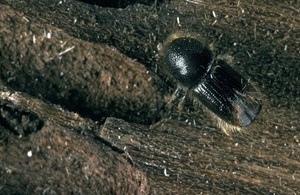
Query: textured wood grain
pixel 181 153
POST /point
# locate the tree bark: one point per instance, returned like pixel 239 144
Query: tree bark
pixel 83 108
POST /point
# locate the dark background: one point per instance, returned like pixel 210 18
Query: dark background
pixel 96 118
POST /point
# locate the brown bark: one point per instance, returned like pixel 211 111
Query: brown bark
pixel 78 69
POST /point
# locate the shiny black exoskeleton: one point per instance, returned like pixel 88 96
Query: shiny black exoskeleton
pixel 218 86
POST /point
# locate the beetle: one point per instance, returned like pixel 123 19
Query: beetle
pixel 213 82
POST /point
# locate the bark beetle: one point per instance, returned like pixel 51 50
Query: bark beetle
pixel 177 156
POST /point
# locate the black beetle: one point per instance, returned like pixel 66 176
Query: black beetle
pixel 211 81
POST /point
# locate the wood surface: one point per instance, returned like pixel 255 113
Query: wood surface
pixel 85 109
